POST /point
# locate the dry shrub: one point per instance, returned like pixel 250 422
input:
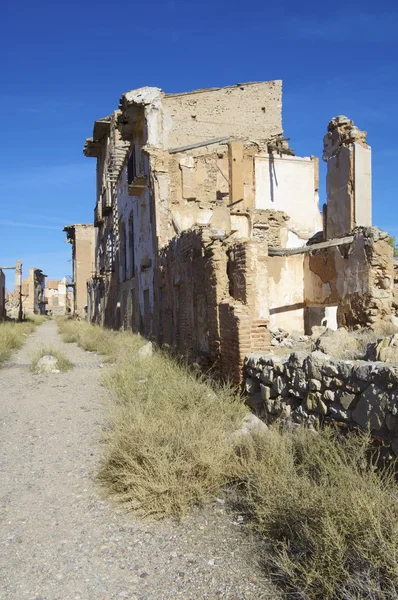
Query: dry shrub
pixel 351 345
pixel 115 345
pixel 13 335
pixel 168 447
pixel 330 517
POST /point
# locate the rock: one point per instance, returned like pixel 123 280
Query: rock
pixel 312 400
pixel 266 392
pixel 337 412
pixel 256 403
pixel 370 410
pixel 274 342
pixel 392 422
pixel 250 424
pixel 392 403
pixel 267 375
pixel 345 399
pixel 295 336
pixel 47 364
pixel 300 381
pixel 251 385
pixel 330 369
pixel 316 331
pixel 313 364
pixel 146 351
pixel 387 349
pixel 287 344
pixel 314 385
pixel 322 407
pixel 332 382
pixel 394 446
pixel 253 423
pixel 279 386
pixel 273 406
pixel 329 396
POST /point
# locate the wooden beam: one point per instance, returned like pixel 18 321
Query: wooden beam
pixel 272 251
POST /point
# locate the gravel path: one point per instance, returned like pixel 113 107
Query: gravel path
pixel 61 538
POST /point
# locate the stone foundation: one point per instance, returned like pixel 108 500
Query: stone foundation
pixel 313 389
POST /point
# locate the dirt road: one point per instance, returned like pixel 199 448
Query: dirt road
pixel 61 538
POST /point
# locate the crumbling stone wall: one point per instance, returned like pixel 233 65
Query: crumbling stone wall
pixel 348 181
pixel 252 110
pixel 357 277
pixel 313 389
pixel 211 300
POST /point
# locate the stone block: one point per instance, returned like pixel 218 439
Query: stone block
pixel 371 408
pixel 345 399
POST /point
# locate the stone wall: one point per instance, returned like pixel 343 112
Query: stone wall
pixel 314 389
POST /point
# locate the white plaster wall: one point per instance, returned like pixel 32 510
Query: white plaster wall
pixel 286 290
pixel 363 186
pixel 287 183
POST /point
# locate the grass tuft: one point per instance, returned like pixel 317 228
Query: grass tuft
pixel 63 364
pixel 13 335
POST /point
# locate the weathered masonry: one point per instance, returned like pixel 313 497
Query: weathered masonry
pixel 208 232
pixel 82 239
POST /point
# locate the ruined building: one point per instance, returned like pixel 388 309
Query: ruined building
pixel 82 239
pixel 58 297
pixel 33 296
pixel 208 232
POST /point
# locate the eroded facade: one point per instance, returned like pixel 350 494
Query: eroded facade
pixel 208 231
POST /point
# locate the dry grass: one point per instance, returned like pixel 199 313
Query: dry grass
pixel 351 345
pixel 328 519
pixel 63 363
pixel 116 346
pixel 13 335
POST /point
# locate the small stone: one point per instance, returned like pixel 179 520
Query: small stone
pixel 322 408
pixel 279 385
pixel 251 385
pixel 392 422
pixel 329 396
pixel 314 385
pixel 265 391
pixel 346 399
pixel 312 400
pixel 146 351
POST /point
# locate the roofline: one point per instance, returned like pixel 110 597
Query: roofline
pixel 217 89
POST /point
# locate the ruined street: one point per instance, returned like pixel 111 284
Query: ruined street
pixel 61 538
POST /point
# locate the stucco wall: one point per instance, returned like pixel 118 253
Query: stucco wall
pixel 286 292
pixel 288 184
pixel 252 110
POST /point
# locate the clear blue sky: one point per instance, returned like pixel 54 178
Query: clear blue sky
pixel 63 65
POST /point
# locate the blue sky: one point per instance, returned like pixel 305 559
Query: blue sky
pixel 63 65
